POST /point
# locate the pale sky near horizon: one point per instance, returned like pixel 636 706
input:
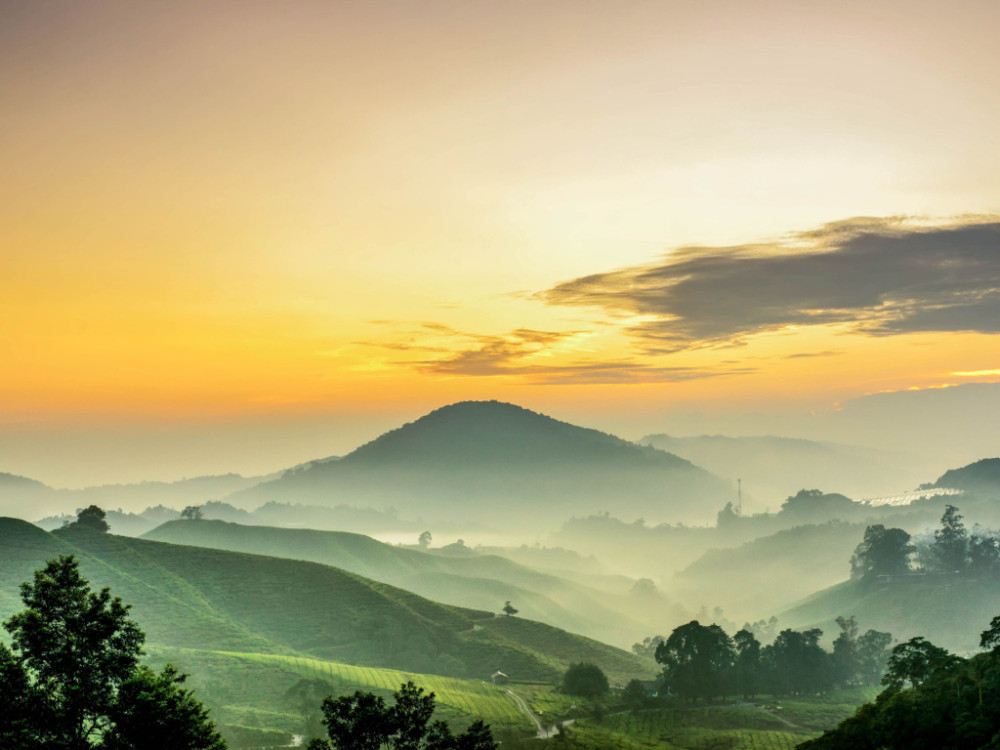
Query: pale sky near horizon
pixel 286 226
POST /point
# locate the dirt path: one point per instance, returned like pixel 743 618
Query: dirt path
pixel 543 733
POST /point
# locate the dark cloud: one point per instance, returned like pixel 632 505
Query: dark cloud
pixel 877 276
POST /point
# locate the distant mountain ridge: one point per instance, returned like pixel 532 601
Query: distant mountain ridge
pixel 773 468
pixel 980 476
pixel 489 460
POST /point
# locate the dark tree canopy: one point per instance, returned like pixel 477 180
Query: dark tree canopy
pixel 695 660
pixel 192 513
pixel 92 517
pixel 913 662
pixel 364 721
pixel 932 700
pixel 951 542
pixel 508 609
pixel 586 680
pixel 74 671
pixel 882 552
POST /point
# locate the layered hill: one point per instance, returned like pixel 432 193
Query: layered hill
pixel 207 599
pixel 948 610
pixel 773 468
pixel 31 498
pixel 494 463
pixel 478 581
pixel 981 477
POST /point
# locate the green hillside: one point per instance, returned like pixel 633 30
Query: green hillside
pixel 950 611
pixel 493 462
pixel 772 572
pixel 199 598
pixel 478 581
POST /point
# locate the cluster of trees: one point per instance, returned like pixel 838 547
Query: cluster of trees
pixel 586 680
pixel 703 662
pixel 364 721
pixel 72 678
pixel 954 550
pixel 932 700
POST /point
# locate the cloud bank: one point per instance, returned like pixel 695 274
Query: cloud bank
pixel 874 276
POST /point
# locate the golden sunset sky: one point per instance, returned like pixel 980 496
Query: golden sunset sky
pixel 286 226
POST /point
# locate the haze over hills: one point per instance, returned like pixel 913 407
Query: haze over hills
pixel 206 599
pixel 477 581
pixel 35 499
pixel 492 462
pixel 772 468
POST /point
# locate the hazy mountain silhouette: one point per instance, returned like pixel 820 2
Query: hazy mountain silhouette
pixel 491 462
pixel 979 477
pixel 773 468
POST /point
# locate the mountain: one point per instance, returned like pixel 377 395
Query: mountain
pixel 496 464
pixel 981 477
pixel 950 611
pixel 773 468
pixel 212 600
pixel 30 498
pixel 472 580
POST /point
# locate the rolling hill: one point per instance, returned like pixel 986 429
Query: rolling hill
pixel 494 463
pixel 206 599
pixel 478 581
pixel 950 611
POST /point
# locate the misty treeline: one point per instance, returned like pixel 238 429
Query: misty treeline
pixel 952 550
pixel 704 662
pixel 932 700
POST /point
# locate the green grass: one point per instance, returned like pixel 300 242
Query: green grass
pixel 769 724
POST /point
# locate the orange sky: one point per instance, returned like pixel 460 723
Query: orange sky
pixel 230 211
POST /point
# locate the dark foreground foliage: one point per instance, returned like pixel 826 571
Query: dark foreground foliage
pixel 933 700
pixel 72 680
pixel 364 721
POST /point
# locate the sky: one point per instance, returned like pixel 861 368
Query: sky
pixel 239 235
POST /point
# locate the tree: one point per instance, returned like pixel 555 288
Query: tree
pixel 845 646
pixel 882 552
pixel 364 721
pixel 747 668
pixel 984 555
pixel 913 662
pixel 695 659
pixel 648 646
pixel 509 610
pixel 192 513
pixel 424 540
pixel 153 712
pixel 634 696
pixel 951 542
pixel 872 652
pixel 797 662
pixel 586 680
pixel 75 668
pixel 92 517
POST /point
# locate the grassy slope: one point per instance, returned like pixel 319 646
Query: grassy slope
pixel 743 579
pixel 480 581
pixel 211 599
pixel 949 612
pixel 767 724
